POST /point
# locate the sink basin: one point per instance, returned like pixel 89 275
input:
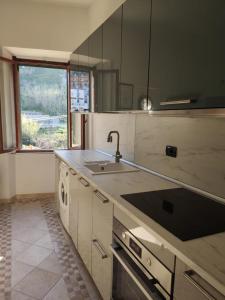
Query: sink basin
pixel 96 162
pixel 109 168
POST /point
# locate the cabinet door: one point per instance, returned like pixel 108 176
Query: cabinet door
pixel 73 206
pixel 84 195
pixel 102 219
pixel 57 174
pixel 102 270
pixel 135 53
pixel 112 35
pixel 95 60
pixel 101 241
pixel 190 286
pixel 187 53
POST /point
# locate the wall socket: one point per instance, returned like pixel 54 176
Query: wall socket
pixel 171 151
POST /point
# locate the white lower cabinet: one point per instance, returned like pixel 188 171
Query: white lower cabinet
pixel 90 227
pixel 190 286
pixel 101 241
pixel 84 232
pixel 73 205
pixel 101 269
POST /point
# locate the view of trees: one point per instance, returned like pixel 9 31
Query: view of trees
pixel 43 96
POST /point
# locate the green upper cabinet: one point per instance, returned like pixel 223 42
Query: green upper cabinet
pixel 95 61
pixel 168 54
pixel 133 84
pixel 187 54
pixel 111 50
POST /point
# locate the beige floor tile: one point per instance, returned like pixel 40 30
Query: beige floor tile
pixel 58 292
pixel 51 264
pixel 19 271
pixel 19 296
pixel 45 241
pixel 37 283
pixel 34 255
pixel 42 225
pixel 18 247
pixel 28 235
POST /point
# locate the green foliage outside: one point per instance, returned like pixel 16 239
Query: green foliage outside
pixel 44 91
pixel 33 137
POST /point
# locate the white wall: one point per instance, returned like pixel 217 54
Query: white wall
pixel 7 176
pixel 35 173
pixel 29 24
pixel 100 10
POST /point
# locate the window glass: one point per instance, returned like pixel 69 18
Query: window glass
pixel 80 82
pixel 43 105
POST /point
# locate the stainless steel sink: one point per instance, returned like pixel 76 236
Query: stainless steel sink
pixel 96 162
pixel 110 168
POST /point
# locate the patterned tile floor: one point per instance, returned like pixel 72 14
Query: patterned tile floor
pixel 37 257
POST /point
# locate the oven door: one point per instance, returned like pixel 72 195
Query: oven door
pixel 130 281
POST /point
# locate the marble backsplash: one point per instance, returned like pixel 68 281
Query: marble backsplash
pixel 201 149
pixel 200 141
pixel 101 124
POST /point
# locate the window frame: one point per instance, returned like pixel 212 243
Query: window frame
pixel 2 149
pixel 45 64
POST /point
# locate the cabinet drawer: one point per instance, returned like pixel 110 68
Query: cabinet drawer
pixel 101 269
pixel 190 286
pixel 102 219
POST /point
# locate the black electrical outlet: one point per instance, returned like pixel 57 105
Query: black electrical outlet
pixel 171 151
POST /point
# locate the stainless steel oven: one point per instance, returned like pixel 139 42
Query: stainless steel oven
pixel 137 273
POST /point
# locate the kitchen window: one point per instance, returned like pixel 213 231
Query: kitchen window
pixel 43 108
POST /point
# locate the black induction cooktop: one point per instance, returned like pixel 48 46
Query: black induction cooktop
pixel 184 213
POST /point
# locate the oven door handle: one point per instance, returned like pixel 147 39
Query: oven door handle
pixel 115 250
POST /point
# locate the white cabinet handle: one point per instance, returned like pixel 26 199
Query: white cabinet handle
pixel 84 182
pixel 101 197
pixel 72 172
pixel 99 248
pixel 188 275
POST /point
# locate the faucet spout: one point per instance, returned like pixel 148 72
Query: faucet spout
pixel 118 156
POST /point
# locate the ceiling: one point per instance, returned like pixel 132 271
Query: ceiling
pixel 40 54
pixel 77 3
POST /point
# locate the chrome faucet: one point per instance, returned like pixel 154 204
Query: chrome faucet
pixel 118 156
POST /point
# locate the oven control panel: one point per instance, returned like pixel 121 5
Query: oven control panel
pixel 144 256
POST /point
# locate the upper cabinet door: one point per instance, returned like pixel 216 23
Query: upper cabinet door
pixel 95 61
pixel 187 54
pixel 111 61
pixel 135 54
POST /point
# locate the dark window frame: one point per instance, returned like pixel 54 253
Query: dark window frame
pixel 47 64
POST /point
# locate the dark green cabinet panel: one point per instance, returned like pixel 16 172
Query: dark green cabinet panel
pixel 187 53
pixel 135 53
pixel 112 34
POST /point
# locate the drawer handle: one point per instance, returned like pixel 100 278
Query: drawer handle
pixel 101 197
pixel 84 182
pixel 188 275
pixel 99 248
pixel 72 172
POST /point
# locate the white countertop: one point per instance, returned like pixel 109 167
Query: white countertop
pixel 204 255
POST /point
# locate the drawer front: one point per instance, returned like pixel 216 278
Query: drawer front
pixel 101 269
pixel 102 219
pixel 147 239
pixel 190 286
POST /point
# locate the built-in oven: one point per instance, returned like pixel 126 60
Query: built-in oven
pixel 137 273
